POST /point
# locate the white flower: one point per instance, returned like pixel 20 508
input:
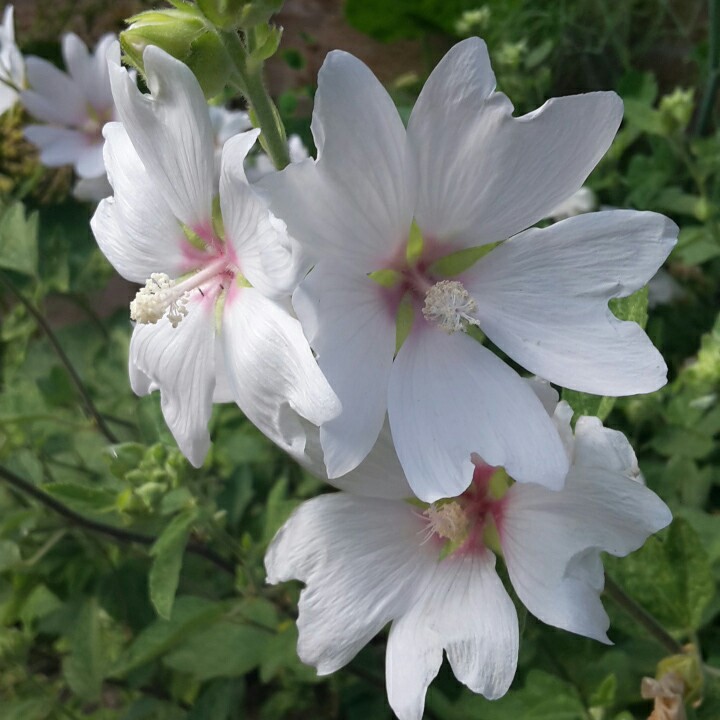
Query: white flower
pixel 12 64
pixel 261 165
pixel 73 106
pixel 431 572
pixel 465 174
pixel 581 201
pixel 212 325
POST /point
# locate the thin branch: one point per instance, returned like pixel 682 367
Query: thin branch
pixel 64 359
pixel 641 616
pixel 124 536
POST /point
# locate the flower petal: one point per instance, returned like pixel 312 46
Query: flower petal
pixel 53 97
pixel 599 447
pixel 135 229
pixel 361 560
pixel 450 397
pixel 90 71
pixel 266 255
pixel 465 610
pixel 180 362
pixel 351 327
pixel 355 204
pixel 551 542
pixel 485 175
pixel 90 162
pixel 271 368
pixel 171 132
pixel 57 146
pixel 542 298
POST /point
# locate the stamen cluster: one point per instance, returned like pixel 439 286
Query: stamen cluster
pixel 155 298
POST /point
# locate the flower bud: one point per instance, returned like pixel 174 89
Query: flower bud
pixel 229 14
pixel 186 35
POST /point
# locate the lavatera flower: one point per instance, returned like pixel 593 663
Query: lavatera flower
pixel 12 63
pixel 430 569
pixel 212 318
pixel 394 220
pixel 73 107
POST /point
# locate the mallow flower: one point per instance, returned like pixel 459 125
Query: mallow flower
pixel 395 221
pixel 429 570
pixel 73 107
pixel 212 320
pixel 12 63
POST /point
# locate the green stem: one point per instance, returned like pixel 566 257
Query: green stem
pixel 641 616
pixel 124 536
pixel 713 78
pixel 249 81
pixel 84 393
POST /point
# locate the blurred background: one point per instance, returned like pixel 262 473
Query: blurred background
pixel 90 477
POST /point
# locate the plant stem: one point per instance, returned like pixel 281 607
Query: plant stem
pixel 713 78
pixel 125 536
pixel 251 84
pixel 641 616
pixel 90 408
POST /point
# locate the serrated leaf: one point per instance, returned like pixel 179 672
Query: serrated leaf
pixel 671 578
pixel 167 554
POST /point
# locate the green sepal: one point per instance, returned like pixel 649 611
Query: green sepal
pixel 386 278
pixel 403 322
pixel 230 14
pixel 460 261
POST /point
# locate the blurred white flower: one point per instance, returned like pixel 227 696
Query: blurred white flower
pixel 260 165
pixel 12 63
pixel 580 202
pixel 73 107
pixel 430 570
pixel 465 174
pixel 212 323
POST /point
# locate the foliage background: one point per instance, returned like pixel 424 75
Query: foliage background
pixel 131 585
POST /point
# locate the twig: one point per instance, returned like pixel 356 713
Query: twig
pixel 125 536
pixel 64 359
pixel 641 616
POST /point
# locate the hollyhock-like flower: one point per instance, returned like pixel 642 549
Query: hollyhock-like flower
pixel 430 569
pixel 73 108
pixel 12 64
pixel 394 219
pixel 211 323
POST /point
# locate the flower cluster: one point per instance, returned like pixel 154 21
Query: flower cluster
pixel 352 306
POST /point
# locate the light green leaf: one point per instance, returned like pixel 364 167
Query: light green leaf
pixel 167 553
pixel 18 240
pixel 9 555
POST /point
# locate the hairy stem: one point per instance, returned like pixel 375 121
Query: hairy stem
pixel 250 82
pixel 124 536
pixel 641 616
pixel 90 408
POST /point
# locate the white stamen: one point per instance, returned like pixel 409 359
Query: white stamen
pixel 450 305
pixel 448 521
pixel 159 295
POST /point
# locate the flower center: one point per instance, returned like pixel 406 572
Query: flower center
pixel 163 296
pixel 448 521
pixel 450 306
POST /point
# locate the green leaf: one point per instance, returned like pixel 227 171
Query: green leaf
pixel 633 307
pixel 167 553
pixel 84 497
pixel 671 578
pixel 18 240
pixel 226 649
pixel 190 614
pixel 9 555
pixel 587 404
pixel 86 666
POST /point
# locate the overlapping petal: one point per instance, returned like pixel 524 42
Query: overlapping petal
pixel 351 327
pixel 180 362
pixel 551 542
pixel 543 298
pixel 90 70
pixel 172 133
pixel 355 204
pixel 267 256
pixel 135 229
pixel 271 368
pixel 450 397
pixel 465 610
pixel 362 565
pixel 485 175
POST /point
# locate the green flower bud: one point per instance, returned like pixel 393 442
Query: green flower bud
pixel 186 35
pixel 676 109
pixel 229 14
